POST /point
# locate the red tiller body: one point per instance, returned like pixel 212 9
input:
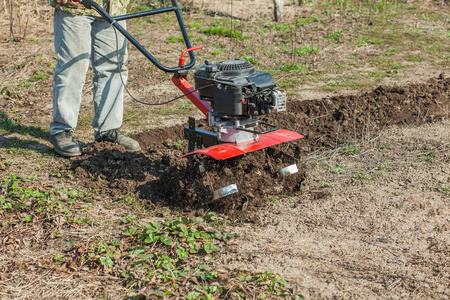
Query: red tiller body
pixel 217 149
pixel 228 150
pixel 186 88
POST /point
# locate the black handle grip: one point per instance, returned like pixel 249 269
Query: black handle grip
pixel 128 36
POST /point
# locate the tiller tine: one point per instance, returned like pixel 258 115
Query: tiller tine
pixel 228 150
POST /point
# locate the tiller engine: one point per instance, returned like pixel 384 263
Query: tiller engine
pixel 231 94
pixel 237 94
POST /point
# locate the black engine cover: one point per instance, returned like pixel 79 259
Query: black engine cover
pixel 237 89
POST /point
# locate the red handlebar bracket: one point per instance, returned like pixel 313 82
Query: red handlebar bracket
pixel 181 64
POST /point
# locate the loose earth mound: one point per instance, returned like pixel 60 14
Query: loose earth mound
pixel 157 176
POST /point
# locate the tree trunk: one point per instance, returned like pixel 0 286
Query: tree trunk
pixel 278 9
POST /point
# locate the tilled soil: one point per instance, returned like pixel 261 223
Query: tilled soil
pixel 157 176
pixel 369 225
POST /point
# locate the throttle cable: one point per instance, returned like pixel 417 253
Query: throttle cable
pixel 119 65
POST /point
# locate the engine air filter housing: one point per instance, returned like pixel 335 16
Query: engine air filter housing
pixel 235 87
pixel 235 68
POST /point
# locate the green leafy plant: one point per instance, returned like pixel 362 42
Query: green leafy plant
pixel 339 169
pixel 325 185
pixel 383 145
pixel 431 157
pixel 106 261
pixel 362 175
pixel 301 51
pixel 350 149
pixel 381 166
pixel 24 195
pixel 129 219
pixel 176 145
pixel 172 252
pixel 222 31
pixel 171 39
pixel 334 35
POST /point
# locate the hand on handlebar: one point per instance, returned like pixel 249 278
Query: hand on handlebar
pixel 88 6
pixel 64 2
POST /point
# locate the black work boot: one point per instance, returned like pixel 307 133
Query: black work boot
pixel 117 137
pixel 65 144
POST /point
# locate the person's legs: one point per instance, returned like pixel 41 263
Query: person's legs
pixel 73 48
pixel 109 54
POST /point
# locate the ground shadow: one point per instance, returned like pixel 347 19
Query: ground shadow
pixel 11 142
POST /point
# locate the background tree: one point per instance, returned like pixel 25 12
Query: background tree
pixel 278 9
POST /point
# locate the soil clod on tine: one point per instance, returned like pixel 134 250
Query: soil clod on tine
pixel 189 184
pixel 256 176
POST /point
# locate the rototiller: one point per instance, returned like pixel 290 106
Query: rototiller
pixel 229 93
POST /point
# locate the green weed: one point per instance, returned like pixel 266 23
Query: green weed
pixel 129 219
pixel 326 185
pixel 339 169
pixel 222 31
pixel 81 221
pixel 362 175
pixel 292 67
pixel 334 35
pixel 26 196
pixel 306 50
pixel 396 193
pixel 4 164
pixel 391 52
pixel 164 111
pixel 126 199
pixel 38 76
pixel 171 39
pixel 176 145
pixel 274 200
pixel 285 27
pixel 414 58
pixel 25 85
pixel 168 253
pixel 376 41
pixel 362 42
pixel 381 166
pixel 8 91
pixel 349 150
pixel 444 188
pixel 429 157
pixel 306 21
